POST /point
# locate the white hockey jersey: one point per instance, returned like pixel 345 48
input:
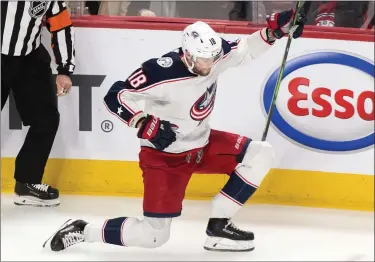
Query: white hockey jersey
pixel 171 92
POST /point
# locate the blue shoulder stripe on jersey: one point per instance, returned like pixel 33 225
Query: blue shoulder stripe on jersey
pixel 176 69
pixel 228 45
pixel 158 70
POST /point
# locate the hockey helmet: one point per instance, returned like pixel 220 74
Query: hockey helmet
pixel 201 41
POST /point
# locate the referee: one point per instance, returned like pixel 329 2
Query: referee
pixel 25 69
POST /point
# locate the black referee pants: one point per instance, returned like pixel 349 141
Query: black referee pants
pixel 31 81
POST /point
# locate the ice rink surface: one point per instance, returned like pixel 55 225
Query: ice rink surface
pixel 281 232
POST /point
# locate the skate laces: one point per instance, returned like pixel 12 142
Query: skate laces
pixel 41 187
pixel 233 226
pixel 72 238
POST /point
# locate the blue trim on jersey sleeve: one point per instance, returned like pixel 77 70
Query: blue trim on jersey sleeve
pixel 113 104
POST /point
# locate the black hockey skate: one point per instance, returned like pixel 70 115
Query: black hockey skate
pixel 70 233
pixel 223 235
pixel 36 195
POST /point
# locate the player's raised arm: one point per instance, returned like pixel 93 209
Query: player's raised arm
pixel 254 45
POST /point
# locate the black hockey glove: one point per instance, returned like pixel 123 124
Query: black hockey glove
pixel 281 24
pixel 158 132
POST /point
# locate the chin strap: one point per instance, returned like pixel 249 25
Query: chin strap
pixel 190 68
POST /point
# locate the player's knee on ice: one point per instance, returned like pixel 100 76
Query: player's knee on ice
pixel 149 233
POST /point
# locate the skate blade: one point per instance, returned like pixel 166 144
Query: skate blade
pixel 61 227
pixel 227 245
pixel 35 202
pixel 229 250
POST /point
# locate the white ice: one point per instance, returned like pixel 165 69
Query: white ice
pixel 281 232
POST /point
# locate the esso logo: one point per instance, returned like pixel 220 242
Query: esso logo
pixel 325 101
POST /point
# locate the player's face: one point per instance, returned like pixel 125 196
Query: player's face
pixel 202 66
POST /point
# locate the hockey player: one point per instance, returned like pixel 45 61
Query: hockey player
pixel 179 91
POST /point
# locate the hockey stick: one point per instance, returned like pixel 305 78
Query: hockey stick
pixel 300 8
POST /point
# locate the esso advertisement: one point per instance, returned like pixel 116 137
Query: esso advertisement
pixel 325 101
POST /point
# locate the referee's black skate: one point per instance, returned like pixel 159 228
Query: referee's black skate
pixel 70 233
pixel 40 195
pixel 223 235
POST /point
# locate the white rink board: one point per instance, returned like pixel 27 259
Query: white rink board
pixel 115 53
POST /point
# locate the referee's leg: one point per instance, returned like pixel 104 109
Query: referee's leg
pixel 5 83
pixel 36 101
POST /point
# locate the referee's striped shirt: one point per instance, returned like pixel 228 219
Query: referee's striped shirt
pixel 21 25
